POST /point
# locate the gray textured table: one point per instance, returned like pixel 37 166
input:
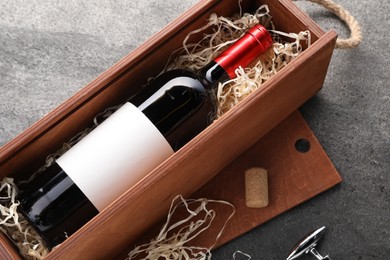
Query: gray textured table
pixel 50 50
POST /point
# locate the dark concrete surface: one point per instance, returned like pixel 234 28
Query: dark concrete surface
pixel 49 50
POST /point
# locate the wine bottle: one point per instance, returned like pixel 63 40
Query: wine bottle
pixel 160 119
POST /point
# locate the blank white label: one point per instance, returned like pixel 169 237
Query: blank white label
pixel 115 156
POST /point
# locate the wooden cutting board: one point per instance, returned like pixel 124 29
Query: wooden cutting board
pixel 293 178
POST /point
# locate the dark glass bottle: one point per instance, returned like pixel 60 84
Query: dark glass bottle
pixel 177 105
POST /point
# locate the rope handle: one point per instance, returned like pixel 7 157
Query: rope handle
pixel 354 27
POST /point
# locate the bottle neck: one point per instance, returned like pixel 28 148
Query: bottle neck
pixel 243 52
pixel 213 73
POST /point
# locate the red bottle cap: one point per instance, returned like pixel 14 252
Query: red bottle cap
pixel 245 50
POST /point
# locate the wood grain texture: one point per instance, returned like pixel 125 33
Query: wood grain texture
pixel 197 162
pixel 7 249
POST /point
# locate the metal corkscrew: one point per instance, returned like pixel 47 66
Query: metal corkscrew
pixel 308 245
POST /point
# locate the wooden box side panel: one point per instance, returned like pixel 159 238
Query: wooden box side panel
pixel 7 249
pixel 199 161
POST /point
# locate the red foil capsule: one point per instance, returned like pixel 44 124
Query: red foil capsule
pixel 245 50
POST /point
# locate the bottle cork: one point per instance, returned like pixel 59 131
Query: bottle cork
pixel 256 188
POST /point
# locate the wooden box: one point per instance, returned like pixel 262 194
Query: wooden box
pixel 117 227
